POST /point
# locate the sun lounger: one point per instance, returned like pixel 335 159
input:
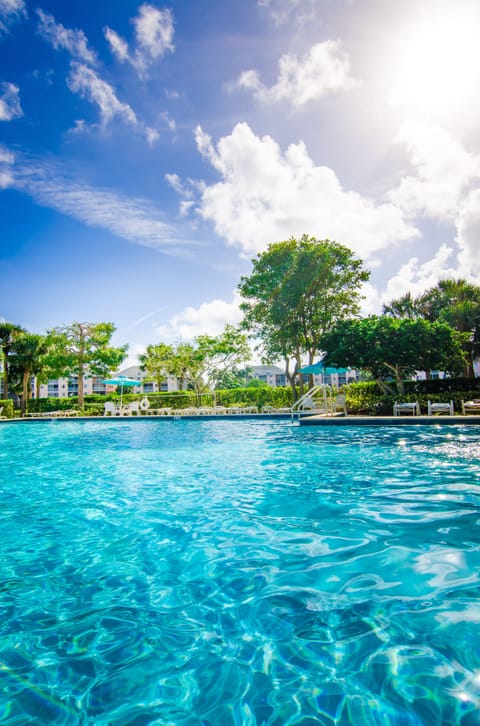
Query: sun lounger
pixel 471 406
pixel 400 409
pixel 110 409
pixel 438 408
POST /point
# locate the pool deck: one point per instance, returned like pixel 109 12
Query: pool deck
pixel 305 420
pixel 316 420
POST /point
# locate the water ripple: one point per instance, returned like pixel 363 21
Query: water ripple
pixel 217 572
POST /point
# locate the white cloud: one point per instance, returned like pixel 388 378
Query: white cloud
pixel 10 107
pixel 468 236
pixel 10 11
pixel 325 69
pixel 444 169
pixel 298 12
pixel 154 32
pixel 209 318
pixel 73 41
pixel 416 278
pixel 85 81
pixel 118 45
pixel 266 196
pixel 6 161
pixel 134 219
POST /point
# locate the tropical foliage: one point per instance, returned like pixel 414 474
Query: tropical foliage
pixel 454 302
pixel 84 349
pixel 297 292
pixel 393 348
pixel 201 365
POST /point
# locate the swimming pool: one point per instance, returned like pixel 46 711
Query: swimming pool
pixel 239 572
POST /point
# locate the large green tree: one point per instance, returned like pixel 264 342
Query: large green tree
pixel 156 362
pixel 214 356
pixel 9 332
pixel 84 349
pixel 201 364
pixel 455 302
pixel 28 358
pixel 394 348
pixel 298 290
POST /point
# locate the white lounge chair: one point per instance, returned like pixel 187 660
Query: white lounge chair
pixel 400 409
pixel 440 408
pixel 1 409
pixel 110 409
pixel 132 408
pixel 472 406
pixel 339 404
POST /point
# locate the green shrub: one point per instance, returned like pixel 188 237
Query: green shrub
pixel 8 409
pixel 367 399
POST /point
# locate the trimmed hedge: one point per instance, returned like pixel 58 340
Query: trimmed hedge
pixel 361 398
pixel 368 400
pixel 94 404
pixel 8 409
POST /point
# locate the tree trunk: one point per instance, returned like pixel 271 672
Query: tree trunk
pixel 5 376
pixel 25 382
pixel 290 379
pixel 81 395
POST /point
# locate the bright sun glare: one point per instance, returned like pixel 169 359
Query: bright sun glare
pixel 437 66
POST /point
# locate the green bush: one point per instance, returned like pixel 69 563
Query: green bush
pixel 368 400
pixel 8 409
pixel 45 405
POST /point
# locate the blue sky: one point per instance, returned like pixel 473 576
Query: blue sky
pixel 148 151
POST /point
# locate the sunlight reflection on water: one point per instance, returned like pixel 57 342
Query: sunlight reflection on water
pixel 219 572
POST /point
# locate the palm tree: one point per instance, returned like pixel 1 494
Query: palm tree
pixel 456 302
pixel 27 356
pixel 403 307
pixel 8 334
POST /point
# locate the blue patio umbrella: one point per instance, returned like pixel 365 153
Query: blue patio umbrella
pixel 122 381
pixel 319 368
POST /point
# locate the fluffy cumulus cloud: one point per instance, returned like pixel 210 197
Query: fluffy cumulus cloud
pixel 10 107
pixel 416 277
pixel 154 33
pixel 10 12
pixel 265 195
pixel 444 169
pixel 73 41
pixel 324 69
pixel 208 319
pixel 88 84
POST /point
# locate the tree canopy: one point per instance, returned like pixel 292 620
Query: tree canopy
pixel 9 332
pixel 389 347
pixel 201 365
pixel 298 290
pixel 28 355
pixel 455 302
pixel 84 349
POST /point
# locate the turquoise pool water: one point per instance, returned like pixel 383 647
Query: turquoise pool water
pixel 239 572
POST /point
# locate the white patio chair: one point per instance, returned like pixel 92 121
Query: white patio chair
pixel 440 408
pixel 413 407
pixel 132 408
pixel 471 406
pixel 110 409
